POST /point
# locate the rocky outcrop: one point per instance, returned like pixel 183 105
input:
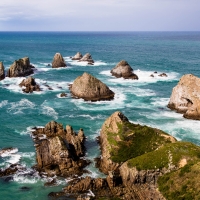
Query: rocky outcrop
pixel 58 61
pixel 29 85
pixel 90 88
pixel 123 69
pixel 11 170
pixel 59 150
pixel 2 71
pixel 87 58
pixel 78 56
pixel 185 97
pixel 20 68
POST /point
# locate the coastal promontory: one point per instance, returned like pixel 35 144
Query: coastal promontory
pixel 2 71
pixel 185 97
pixel 58 61
pixel 20 68
pixel 90 88
pixel 123 69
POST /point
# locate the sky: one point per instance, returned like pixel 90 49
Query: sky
pixel 99 15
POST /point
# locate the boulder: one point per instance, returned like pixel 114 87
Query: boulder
pixel 2 71
pixel 63 95
pixel 20 68
pixel 58 61
pixel 90 88
pixel 78 56
pixel 163 75
pixel 185 97
pixel 58 151
pixel 87 58
pixel 11 170
pixel 29 85
pixel 123 69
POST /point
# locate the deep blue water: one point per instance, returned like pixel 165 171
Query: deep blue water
pixel 143 101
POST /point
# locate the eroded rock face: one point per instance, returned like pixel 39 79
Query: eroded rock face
pixel 123 69
pixel 90 89
pixel 20 68
pixel 185 97
pixel 58 61
pixel 2 71
pixel 58 151
pixel 78 56
pixel 29 85
pixel 87 58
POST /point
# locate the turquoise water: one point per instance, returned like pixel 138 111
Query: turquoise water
pixel 143 101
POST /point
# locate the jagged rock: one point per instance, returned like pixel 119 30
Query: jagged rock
pixel 90 88
pixel 58 61
pixel 30 85
pixel 21 67
pixel 8 150
pixel 63 94
pixel 163 75
pixel 2 71
pixel 12 169
pixel 151 75
pixel 185 97
pixel 123 69
pixel 58 151
pixel 78 56
pixel 87 58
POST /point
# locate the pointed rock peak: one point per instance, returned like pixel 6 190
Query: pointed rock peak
pixel 123 63
pixel 2 71
pixel 78 56
pixel 58 61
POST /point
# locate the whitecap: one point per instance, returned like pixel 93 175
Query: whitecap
pixel 49 111
pixel 3 103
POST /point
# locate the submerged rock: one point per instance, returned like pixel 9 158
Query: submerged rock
pixel 90 88
pixel 20 68
pixel 2 71
pixel 58 61
pixel 59 151
pixel 185 97
pixel 30 85
pixel 123 69
pixel 78 56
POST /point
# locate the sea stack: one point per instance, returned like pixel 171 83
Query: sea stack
pixel 90 88
pixel 29 85
pixel 185 97
pixel 123 69
pixel 78 56
pixel 20 68
pixel 87 58
pixel 58 61
pixel 2 71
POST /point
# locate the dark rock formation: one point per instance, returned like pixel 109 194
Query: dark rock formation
pixel 2 71
pixel 11 170
pixel 185 97
pixel 87 58
pixel 90 88
pixel 58 61
pixel 30 85
pixel 20 68
pixel 78 56
pixel 63 95
pixel 123 69
pixel 163 75
pixel 58 151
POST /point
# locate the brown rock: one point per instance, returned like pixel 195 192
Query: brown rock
pixel 78 56
pixel 123 69
pixel 12 169
pixel 21 67
pixel 2 71
pixel 163 75
pixel 63 94
pixel 90 88
pixel 58 61
pixel 185 97
pixel 88 58
pixel 30 85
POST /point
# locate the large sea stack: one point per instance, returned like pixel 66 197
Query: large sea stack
pixel 123 69
pixel 185 97
pixel 90 88
pixel 20 68
pixel 2 71
pixel 58 150
pixel 58 61
pixel 78 56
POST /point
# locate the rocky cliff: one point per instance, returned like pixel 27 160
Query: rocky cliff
pixel 185 97
pixel 59 150
pixel 123 69
pixel 90 88
pixel 20 68
pixel 58 61
pixel 2 71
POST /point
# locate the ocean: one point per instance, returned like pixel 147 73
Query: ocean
pixel 143 101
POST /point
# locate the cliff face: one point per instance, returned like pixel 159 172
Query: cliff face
pixel 90 88
pixel 21 67
pixel 185 97
pixel 58 151
pixel 58 61
pixel 2 71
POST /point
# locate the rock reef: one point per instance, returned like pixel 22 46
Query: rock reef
pixel 123 69
pixel 58 61
pixel 29 85
pixel 2 71
pixel 185 97
pixel 59 150
pixel 90 88
pixel 20 68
